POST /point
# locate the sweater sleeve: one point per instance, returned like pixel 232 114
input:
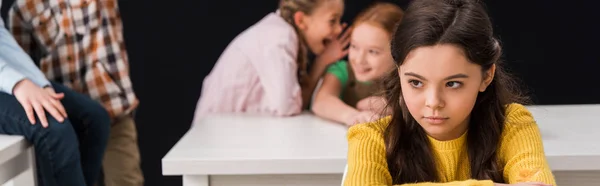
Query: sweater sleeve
pixel 367 164
pixel 522 150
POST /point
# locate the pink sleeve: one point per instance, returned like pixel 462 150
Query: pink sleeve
pixel 277 72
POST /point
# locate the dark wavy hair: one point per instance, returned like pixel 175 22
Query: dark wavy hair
pixel 465 24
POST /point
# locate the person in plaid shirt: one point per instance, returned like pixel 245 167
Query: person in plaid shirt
pixel 68 130
pixel 80 44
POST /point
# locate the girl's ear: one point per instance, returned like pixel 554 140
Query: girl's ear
pixel 300 20
pixel 488 78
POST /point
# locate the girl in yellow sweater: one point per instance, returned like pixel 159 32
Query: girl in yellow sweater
pixel 455 119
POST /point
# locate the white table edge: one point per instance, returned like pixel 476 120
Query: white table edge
pixel 333 166
pixel 248 167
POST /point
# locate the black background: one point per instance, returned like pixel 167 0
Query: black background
pixel 552 45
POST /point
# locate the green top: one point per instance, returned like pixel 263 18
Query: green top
pixel 352 90
pixel 340 70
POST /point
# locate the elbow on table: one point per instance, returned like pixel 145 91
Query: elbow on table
pixel 287 108
pixel 317 106
pixel 322 103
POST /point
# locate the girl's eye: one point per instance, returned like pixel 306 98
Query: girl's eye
pixel 374 52
pixel 415 83
pixel 453 84
pixel 332 22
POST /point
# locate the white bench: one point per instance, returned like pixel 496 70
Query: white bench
pixel 305 150
pixel 17 163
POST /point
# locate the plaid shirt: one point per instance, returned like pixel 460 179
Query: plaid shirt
pixel 78 43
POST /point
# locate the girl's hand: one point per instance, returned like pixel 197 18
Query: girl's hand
pixel 372 103
pixel 361 117
pixel 335 49
pixel 36 100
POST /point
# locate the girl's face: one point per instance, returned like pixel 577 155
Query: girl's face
pixel 369 54
pixel 440 87
pixel 322 25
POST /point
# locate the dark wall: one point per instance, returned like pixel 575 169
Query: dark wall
pixel 553 46
pixel 550 44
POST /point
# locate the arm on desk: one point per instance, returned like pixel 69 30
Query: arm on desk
pixel 522 149
pixel 327 103
pixel 367 164
pixel 278 74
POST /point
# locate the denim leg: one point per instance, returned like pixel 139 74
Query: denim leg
pixel 92 124
pixel 56 147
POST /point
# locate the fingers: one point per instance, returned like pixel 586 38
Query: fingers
pixel 358 119
pixel 373 117
pixel 53 94
pixel 344 53
pixel 344 26
pixel 345 42
pixel 39 110
pixel 346 35
pixel 377 117
pixel 59 107
pixel 53 110
pixel 364 118
pixel 351 122
pixel 57 95
pixel 361 120
pixel 29 111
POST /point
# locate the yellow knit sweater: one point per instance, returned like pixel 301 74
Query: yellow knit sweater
pixel 521 152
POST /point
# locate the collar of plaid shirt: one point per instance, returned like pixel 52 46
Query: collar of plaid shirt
pixel 80 44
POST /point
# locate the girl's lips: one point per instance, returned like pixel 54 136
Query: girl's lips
pixel 436 119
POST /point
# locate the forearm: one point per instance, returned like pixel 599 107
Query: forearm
pixel 8 78
pixel 17 60
pixel 310 82
pixel 332 108
pixel 522 148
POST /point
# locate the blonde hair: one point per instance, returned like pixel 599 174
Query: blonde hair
pixel 287 9
pixel 382 14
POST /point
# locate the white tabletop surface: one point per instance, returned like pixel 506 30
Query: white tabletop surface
pixel 305 144
pixel 259 145
pixel 571 135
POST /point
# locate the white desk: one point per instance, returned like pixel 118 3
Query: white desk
pixel 305 150
pixel 571 135
pixel 17 164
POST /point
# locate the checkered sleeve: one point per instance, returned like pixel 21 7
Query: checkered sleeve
pixel 80 44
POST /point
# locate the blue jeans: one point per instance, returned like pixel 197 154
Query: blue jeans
pixel 68 153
